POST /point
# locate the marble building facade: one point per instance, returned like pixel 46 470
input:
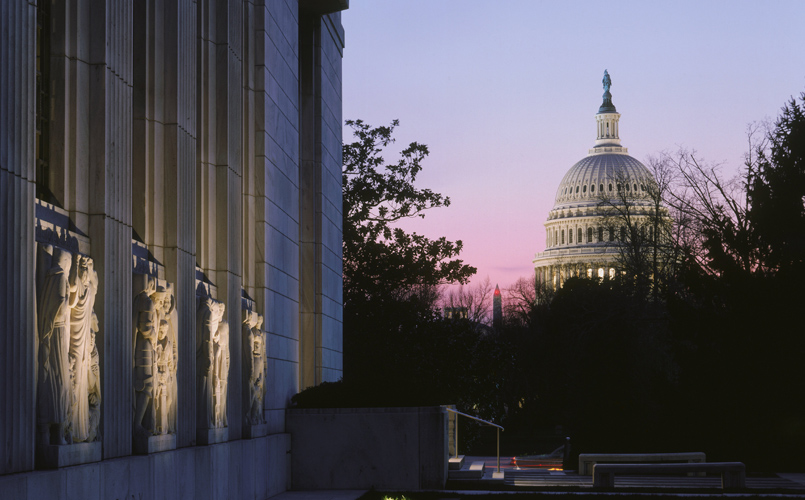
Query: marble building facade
pixel 170 272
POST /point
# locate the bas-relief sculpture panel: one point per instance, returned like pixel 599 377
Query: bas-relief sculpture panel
pixel 68 391
pixel 155 353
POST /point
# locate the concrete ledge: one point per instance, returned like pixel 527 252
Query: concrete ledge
pixel 455 463
pixel 154 444
pixel 588 460
pixel 733 474
pixel 254 431
pixel 476 470
pixel 212 436
pixel 55 456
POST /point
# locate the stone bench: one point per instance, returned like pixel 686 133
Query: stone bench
pixel 733 474
pixel 587 460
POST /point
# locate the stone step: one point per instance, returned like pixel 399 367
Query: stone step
pixel 474 471
pixel 455 463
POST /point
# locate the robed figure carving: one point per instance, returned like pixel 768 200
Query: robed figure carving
pixel 81 344
pixel 166 357
pixel 221 371
pixel 94 384
pixel 145 368
pixel 54 397
pixel 155 360
pixel 212 362
pixel 255 358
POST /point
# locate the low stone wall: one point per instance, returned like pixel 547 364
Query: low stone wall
pixel 248 468
pixel 361 448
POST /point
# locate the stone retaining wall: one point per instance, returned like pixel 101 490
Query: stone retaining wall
pixel 360 448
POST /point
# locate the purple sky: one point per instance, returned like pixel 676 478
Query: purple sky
pixel 504 94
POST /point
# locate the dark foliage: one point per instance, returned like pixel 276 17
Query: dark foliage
pixel 711 361
pixel 381 260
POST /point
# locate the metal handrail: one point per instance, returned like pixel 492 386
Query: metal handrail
pixel 455 427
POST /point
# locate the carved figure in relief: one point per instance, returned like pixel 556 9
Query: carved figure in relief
pixel 94 383
pixel 208 319
pixel 145 369
pixel 169 314
pixel 54 403
pixel 221 374
pixel 165 303
pixel 80 351
pixel 255 356
pixel 164 398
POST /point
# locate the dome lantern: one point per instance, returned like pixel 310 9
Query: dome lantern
pixel 607 120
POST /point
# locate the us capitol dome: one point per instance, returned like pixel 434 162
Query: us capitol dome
pixel 581 239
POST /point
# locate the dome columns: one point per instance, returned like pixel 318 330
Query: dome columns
pixel 607 125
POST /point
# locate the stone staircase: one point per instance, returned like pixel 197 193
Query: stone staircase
pixel 460 471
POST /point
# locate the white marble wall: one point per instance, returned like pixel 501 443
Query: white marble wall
pixel 180 121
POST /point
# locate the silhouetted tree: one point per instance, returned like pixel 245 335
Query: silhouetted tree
pixel 379 258
pixel 475 298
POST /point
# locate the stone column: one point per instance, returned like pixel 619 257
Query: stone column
pixel 320 298
pixel 164 167
pixel 109 114
pixel 309 188
pixel 180 179
pixel 17 252
pixel 219 170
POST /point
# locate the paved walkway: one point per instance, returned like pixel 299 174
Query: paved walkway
pixel 320 495
pixel 544 479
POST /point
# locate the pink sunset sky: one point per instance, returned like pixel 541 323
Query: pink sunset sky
pixel 504 94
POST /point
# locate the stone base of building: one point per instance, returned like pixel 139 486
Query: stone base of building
pixel 245 468
pixel 212 436
pixel 255 431
pixel 146 445
pixel 52 456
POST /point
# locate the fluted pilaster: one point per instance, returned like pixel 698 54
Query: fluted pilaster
pixel 110 145
pixel 17 192
pixel 219 172
pixel 180 117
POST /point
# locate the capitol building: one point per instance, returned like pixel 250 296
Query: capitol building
pixel 606 191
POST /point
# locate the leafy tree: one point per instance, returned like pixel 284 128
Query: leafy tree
pixel 381 260
pixel 396 348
